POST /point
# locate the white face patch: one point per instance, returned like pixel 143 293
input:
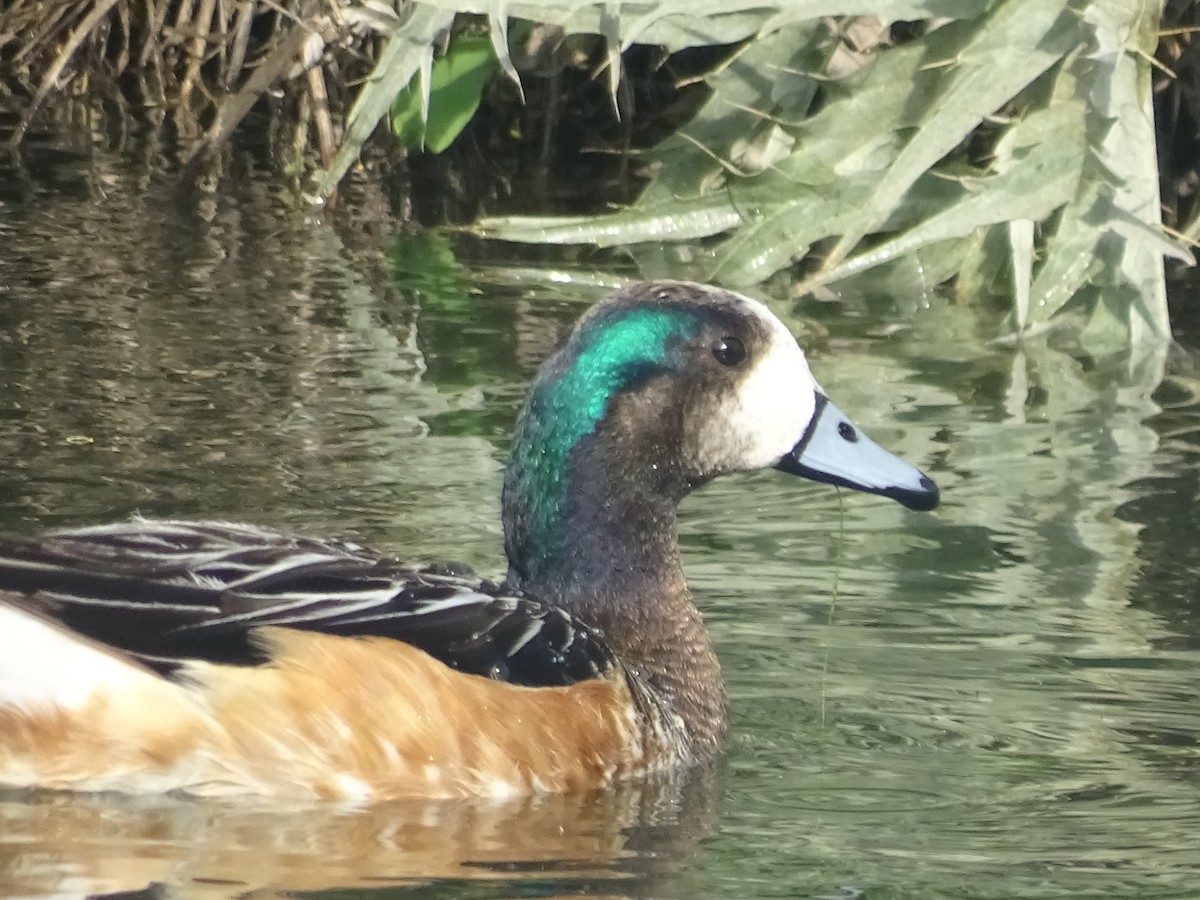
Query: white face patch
pixel 753 427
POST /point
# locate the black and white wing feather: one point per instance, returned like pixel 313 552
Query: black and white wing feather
pixel 167 591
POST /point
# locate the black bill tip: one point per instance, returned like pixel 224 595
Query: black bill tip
pixel 924 497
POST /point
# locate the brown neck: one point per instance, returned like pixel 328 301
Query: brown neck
pixel 671 650
pixel 615 565
pixel 659 635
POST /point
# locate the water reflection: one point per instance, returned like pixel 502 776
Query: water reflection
pixel 1165 505
pixel 614 843
pixel 995 700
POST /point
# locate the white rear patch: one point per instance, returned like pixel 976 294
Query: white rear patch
pixel 352 788
pixel 42 665
pixel 499 789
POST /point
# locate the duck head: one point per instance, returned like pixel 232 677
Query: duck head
pixel 658 389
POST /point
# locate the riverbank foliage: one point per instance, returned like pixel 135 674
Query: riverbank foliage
pixel 1003 150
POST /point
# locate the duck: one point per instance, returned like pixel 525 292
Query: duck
pixel 212 658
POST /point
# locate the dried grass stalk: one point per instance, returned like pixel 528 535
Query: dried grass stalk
pixel 208 63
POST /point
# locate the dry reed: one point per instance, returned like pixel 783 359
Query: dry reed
pixel 199 65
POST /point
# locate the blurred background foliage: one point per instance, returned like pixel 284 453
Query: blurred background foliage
pixel 1003 152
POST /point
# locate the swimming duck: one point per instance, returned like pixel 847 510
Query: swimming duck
pixel 214 658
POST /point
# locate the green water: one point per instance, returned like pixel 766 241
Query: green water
pixel 997 699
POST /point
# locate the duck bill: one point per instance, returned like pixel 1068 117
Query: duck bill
pixel 833 450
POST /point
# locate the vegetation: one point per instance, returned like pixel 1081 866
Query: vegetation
pixel 1004 148
pixel 1007 146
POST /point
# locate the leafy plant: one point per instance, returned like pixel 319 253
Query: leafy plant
pixel 431 117
pixel 1008 145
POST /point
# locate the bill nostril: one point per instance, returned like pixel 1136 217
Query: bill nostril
pixel 847 432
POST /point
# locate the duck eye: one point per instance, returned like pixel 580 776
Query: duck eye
pixel 729 351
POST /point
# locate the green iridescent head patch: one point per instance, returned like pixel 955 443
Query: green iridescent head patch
pixel 606 356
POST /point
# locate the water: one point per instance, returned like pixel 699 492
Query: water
pixel 997 699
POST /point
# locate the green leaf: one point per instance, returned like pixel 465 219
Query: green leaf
pixel 999 56
pixel 1038 170
pixel 695 218
pixel 744 110
pixel 432 119
pixel 1124 37
pixel 676 24
pixel 1012 142
pixel 408 49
